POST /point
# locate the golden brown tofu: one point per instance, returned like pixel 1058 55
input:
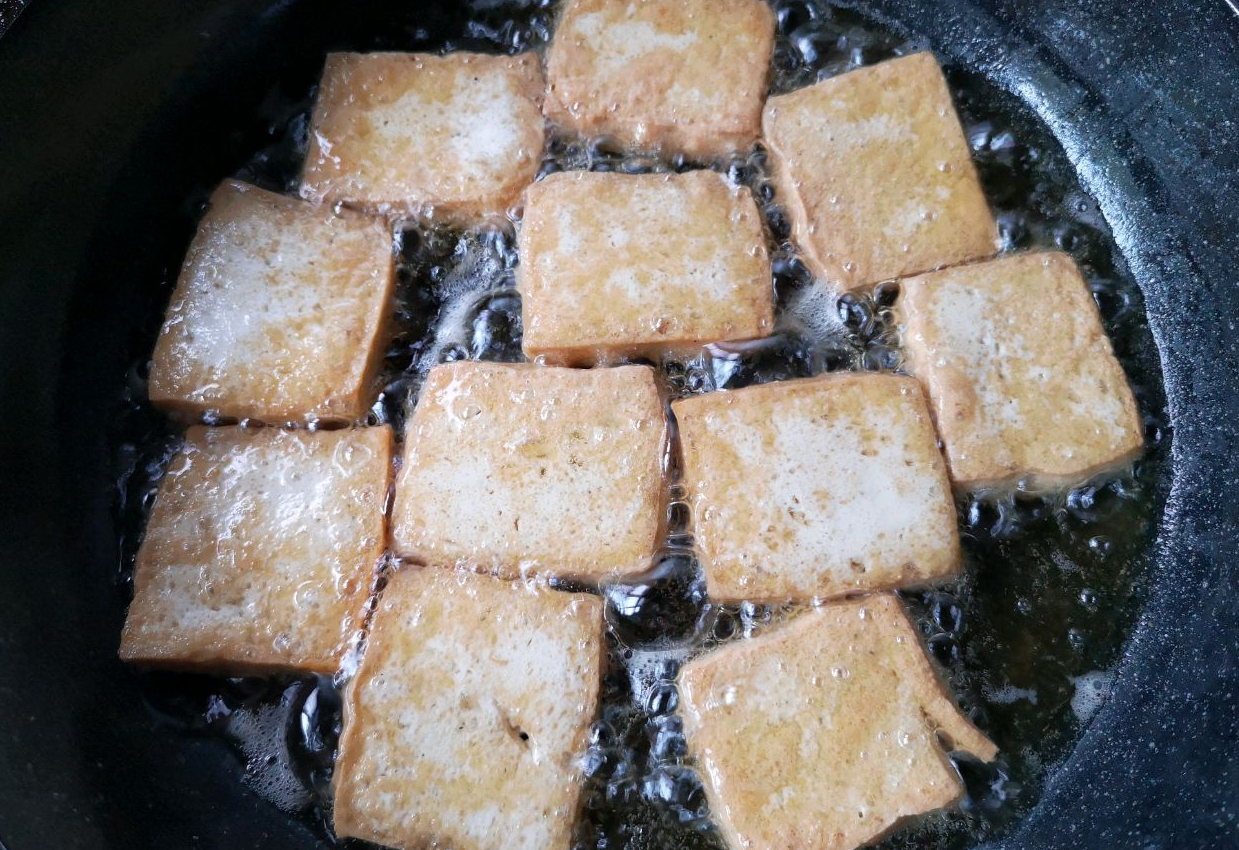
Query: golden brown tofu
pixel 520 468
pixel 467 717
pixel 1020 373
pixel 817 487
pixel 820 735
pixel 453 137
pixel 260 551
pixel 280 314
pixel 617 265
pixel 876 174
pixel 680 76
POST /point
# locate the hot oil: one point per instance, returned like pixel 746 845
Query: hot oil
pixel 1030 634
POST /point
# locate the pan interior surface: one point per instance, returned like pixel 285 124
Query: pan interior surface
pixel 1090 634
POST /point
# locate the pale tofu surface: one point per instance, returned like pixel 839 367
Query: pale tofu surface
pixel 279 314
pixel 820 735
pixel 1019 371
pixel 260 551
pixel 466 720
pixel 817 487
pixel 520 468
pixel 616 265
pixel 874 169
pixel 455 137
pixel 683 76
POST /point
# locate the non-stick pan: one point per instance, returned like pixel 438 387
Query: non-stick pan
pixel 112 115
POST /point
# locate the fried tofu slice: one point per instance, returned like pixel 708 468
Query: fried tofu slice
pixel 466 720
pixel 260 551
pixel 817 487
pixel 1019 371
pixel 454 138
pixel 280 314
pixel 679 76
pixel 820 735
pixel 616 265
pixel 517 468
pixel 876 174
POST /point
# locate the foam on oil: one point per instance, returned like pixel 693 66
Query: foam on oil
pixel 1028 635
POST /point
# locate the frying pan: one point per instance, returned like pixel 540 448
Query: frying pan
pixel 112 114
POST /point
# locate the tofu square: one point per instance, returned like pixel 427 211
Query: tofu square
pixel 616 265
pixel 516 468
pixel 468 716
pixel 1020 374
pixel 260 551
pixel 281 312
pixel 679 76
pixel 876 175
pixel 817 487
pixel 453 137
pixel 821 734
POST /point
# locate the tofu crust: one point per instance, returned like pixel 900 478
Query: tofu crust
pixel 453 137
pixel 518 469
pixel 616 265
pixel 820 735
pixel 471 708
pixel 876 174
pixel 1021 376
pixel 678 76
pixel 281 313
pixel 260 551
pixel 817 487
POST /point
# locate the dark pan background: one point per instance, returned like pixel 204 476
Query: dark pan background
pixel 112 113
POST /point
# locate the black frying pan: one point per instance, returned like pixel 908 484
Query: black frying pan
pixel 112 115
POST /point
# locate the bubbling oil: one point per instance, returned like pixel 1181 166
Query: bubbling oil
pixel 1028 635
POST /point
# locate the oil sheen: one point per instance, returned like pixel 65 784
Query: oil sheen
pixel 1028 635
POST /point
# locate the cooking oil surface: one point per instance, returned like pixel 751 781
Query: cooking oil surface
pixel 1028 636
